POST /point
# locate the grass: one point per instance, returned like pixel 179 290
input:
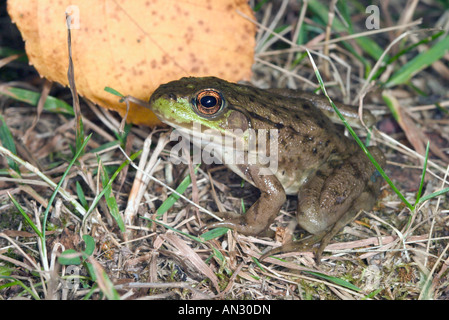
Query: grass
pixel 90 202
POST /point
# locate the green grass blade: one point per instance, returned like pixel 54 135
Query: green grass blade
pixel 25 216
pixel 171 200
pixel 373 161
pixel 218 254
pixel 421 185
pixel 444 3
pixel 79 137
pixel 257 262
pixel 357 139
pixel 391 105
pixel 81 197
pixel 420 62
pixel 105 146
pixel 121 136
pixel 8 142
pixel 259 5
pixel 20 283
pixel 335 280
pixel 344 11
pixel 197 239
pixel 114 92
pixel 55 192
pixel 321 11
pixel 7 52
pixel 214 233
pixel 369 46
pixel 110 199
pixel 98 197
pixel 373 294
pixel 405 51
pixel 6 271
pixel 91 292
pixel 432 195
pixel 107 286
pixel 52 104
pixel 52 198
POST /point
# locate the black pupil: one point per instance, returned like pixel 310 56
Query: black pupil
pixel 208 101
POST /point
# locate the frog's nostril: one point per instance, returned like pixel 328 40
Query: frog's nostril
pixel 171 96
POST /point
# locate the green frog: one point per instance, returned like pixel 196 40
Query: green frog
pixel 329 172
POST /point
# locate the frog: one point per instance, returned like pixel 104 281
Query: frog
pixel 329 172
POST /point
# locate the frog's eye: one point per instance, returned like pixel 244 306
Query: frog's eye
pixel 208 102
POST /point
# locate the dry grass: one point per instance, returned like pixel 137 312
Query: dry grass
pixel 390 253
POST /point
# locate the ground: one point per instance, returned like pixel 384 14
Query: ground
pixel 395 251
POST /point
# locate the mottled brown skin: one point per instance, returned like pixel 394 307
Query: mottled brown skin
pixel 332 176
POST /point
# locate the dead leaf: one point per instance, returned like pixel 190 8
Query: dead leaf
pixel 415 135
pixel 134 46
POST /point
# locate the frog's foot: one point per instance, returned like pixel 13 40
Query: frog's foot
pixel 309 244
pixel 318 242
pixel 227 215
pixel 224 215
pixel 240 224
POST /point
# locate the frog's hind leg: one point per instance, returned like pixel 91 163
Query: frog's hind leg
pixel 233 216
pixel 329 201
pixel 304 245
pixel 364 201
pixel 316 243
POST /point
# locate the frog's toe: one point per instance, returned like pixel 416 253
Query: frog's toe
pixel 305 245
pixel 297 246
pixel 324 241
pixel 228 215
pixel 241 225
pixel 221 214
pixel 233 223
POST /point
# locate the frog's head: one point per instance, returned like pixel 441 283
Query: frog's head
pixel 210 102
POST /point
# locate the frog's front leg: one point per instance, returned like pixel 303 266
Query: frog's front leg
pixel 263 212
